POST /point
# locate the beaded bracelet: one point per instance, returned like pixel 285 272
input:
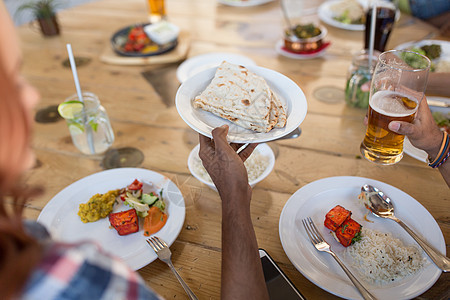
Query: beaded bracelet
pixel 443 153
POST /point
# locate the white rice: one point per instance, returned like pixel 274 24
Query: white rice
pixel 381 258
pixel 256 164
pixel 443 66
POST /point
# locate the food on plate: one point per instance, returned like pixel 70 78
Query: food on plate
pixel 348 12
pixel 336 216
pixel 138 41
pixel 98 207
pixel 442 120
pixel 304 31
pixel 344 228
pixel 381 258
pixel 162 32
pixel 242 97
pixel 143 204
pixel 255 164
pixel 432 51
pixel 134 197
pixel 154 221
pixel 442 66
pixel 125 222
pixel 304 38
pixel 348 232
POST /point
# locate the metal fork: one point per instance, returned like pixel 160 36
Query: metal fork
pixel 318 241
pixel 164 254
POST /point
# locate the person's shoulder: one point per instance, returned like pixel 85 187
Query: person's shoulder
pixel 84 271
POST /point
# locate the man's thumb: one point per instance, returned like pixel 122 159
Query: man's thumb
pixel 401 127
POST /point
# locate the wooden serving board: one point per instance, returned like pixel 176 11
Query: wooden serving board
pixel 179 53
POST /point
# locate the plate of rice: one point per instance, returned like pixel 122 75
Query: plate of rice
pixel 258 165
pixel 386 259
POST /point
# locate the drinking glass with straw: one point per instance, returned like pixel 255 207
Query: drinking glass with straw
pixel 87 120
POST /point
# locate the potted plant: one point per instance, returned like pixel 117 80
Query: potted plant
pixel 44 12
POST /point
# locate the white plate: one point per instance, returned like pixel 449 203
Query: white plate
pixel 202 62
pixel 263 149
pixel 243 3
pixel 204 122
pixel 414 152
pixel 326 15
pixel 445 48
pixel 61 219
pixel 317 198
pixel 280 50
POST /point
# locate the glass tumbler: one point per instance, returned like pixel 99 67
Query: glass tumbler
pixel 90 128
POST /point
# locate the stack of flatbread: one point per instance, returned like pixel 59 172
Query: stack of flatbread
pixel 242 97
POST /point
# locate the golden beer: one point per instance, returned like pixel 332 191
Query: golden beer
pixel 381 145
pixel 156 10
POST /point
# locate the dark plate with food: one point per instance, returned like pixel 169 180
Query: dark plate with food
pixel 134 42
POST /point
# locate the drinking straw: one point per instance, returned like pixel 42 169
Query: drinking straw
pixel 80 97
pixel 372 34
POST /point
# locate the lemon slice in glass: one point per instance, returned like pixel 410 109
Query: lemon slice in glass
pixel 68 109
pixel 76 129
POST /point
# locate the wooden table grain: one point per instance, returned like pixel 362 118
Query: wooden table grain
pixel 143 119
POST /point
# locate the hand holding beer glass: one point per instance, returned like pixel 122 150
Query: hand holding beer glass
pixel 398 86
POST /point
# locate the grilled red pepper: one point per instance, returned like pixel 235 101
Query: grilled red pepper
pixel 336 216
pixel 348 231
pixel 125 222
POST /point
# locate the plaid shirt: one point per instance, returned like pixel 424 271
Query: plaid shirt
pixel 83 271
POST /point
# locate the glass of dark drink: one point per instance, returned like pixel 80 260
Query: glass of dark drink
pixel 385 18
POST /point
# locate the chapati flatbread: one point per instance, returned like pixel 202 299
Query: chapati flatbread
pixel 243 98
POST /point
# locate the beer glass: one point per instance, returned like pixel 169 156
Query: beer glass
pixel 156 10
pixel 398 85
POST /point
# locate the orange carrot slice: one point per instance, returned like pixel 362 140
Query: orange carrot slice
pixel 154 221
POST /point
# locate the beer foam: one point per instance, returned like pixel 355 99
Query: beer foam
pixel 389 103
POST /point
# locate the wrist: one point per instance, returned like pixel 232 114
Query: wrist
pixel 435 146
pixel 443 154
pixel 234 200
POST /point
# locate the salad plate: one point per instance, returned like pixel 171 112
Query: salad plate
pixel 287 91
pixel 243 3
pixel 202 62
pixel 60 216
pixel 327 15
pixel 445 50
pixel 317 198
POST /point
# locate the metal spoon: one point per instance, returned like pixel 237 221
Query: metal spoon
pixel 381 206
pixel 293 135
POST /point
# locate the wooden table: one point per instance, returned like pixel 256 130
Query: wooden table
pixel 328 146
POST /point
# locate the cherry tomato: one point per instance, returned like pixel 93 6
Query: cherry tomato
pixel 135 185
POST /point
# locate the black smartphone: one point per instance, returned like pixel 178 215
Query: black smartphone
pixel 278 284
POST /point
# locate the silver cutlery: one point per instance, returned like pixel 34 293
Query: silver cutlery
pixel 164 254
pixel 321 245
pixel 381 206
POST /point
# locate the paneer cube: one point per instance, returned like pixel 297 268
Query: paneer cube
pixel 336 216
pixel 125 222
pixel 348 231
